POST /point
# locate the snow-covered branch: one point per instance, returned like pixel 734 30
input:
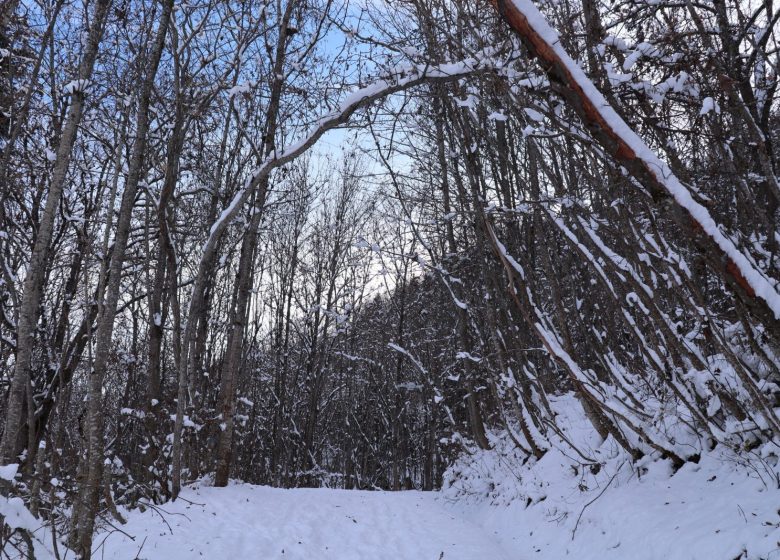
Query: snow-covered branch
pixel 625 145
pixel 404 78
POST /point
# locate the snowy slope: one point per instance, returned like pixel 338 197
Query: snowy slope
pixel 704 512
pixel 726 507
pixel 262 523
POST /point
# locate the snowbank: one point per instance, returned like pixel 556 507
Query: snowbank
pixel 725 507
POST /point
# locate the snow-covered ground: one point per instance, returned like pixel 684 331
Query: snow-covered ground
pixel 725 507
pixel 495 505
pixel 493 509
pixel 261 523
pixel 710 511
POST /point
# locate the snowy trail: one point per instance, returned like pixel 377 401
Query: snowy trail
pixel 261 523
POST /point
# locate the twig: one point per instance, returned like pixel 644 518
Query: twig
pixel 138 554
pixel 594 499
pixel 189 502
pixel 116 529
pixel 55 547
pixel 157 510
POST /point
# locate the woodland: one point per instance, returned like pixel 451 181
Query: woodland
pixel 339 243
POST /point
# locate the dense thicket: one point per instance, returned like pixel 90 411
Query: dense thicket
pixel 192 287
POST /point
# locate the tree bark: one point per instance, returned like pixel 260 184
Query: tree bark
pixel 29 312
pixel 90 492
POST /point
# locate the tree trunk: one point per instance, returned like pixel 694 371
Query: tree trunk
pixel 233 353
pixel 29 311
pixel 90 492
pixel 749 285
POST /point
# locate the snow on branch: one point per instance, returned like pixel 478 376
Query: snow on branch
pixel 401 79
pixel 629 149
pixel 406 353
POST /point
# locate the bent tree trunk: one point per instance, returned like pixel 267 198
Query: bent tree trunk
pixel 754 290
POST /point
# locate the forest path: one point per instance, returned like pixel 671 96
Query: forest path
pixel 261 523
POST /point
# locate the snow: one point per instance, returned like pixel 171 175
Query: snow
pixel 467 356
pixel 16 515
pixel 616 42
pixel 533 114
pixel 8 472
pixel 406 353
pixel 558 507
pixel 708 105
pixel 592 503
pixel 251 522
pixel 239 89
pixel 74 86
pixel 470 102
